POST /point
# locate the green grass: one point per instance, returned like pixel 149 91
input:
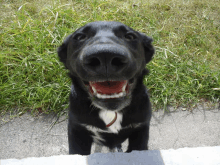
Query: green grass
pixel 184 71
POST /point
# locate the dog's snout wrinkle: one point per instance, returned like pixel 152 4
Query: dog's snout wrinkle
pixel 105 37
pixel 103 40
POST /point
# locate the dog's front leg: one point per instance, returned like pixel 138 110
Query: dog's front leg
pixel 138 140
pixel 80 141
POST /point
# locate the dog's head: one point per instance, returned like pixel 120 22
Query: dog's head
pixel 107 58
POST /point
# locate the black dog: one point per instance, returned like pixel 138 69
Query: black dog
pixel 108 100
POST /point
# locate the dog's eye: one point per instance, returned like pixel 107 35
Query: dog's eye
pixel 79 37
pixel 130 36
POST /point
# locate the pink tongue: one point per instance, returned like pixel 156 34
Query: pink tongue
pixel 108 87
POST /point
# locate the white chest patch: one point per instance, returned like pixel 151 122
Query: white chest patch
pixel 108 116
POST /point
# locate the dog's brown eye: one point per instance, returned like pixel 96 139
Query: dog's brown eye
pixel 80 37
pixel 130 36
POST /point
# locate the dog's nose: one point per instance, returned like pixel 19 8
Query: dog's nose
pixel 109 61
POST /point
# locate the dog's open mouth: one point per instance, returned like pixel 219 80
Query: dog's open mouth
pixel 109 89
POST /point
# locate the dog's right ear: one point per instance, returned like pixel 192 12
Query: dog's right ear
pixel 148 47
pixel 62 51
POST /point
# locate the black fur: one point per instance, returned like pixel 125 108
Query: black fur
pixel 103 51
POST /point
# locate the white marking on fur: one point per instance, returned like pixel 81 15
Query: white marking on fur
pixel 96 131
pixel 99 130
pixel 135 125
pixel 108 116
pixel 97 138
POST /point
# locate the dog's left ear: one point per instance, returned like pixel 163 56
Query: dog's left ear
pixel 62 51
pixel 148 47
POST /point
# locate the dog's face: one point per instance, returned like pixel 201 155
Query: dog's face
pixel 107 58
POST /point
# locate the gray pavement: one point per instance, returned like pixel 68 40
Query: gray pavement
pixel 27 136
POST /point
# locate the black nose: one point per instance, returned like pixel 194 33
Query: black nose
pixel 107 61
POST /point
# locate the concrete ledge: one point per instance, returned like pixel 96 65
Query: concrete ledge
pixel 183 156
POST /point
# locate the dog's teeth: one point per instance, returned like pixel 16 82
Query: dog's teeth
pixel 103 96
pixel 114 95
pixel 94 90
pixel 99 95
pixel 120 94
pixel 123 88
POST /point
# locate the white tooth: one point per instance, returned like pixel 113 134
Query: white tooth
pixel 120 94
pixel 115 95
pixel 123 88
pixel 105 96
pixel 110 96
pixel 99 95
pixel 94 90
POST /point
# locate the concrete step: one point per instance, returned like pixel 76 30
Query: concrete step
pixel 28 136
pixel 182 156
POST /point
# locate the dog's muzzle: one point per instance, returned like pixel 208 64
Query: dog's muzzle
pixel 109 61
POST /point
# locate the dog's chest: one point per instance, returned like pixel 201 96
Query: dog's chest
pixel 115 127
pixel 113 119
pixel 107 117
